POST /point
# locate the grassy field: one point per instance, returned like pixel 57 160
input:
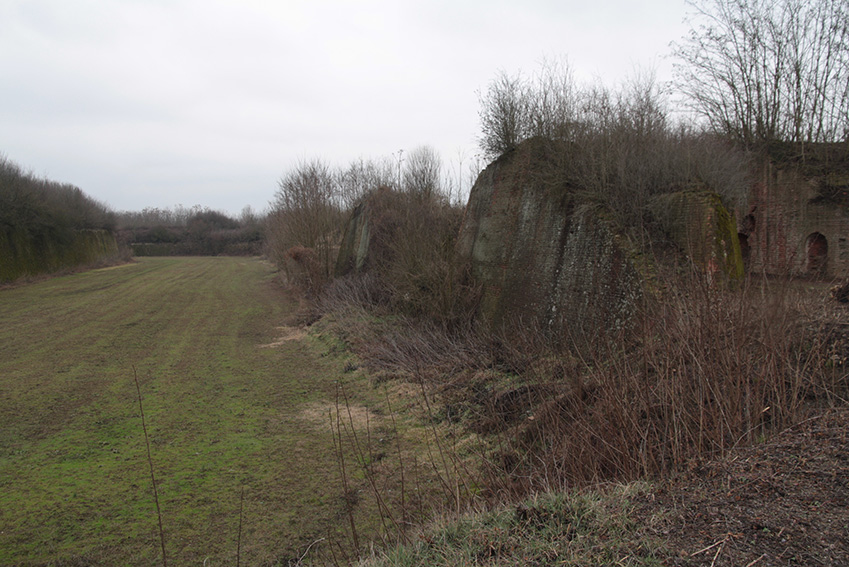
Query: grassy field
pixel 233 400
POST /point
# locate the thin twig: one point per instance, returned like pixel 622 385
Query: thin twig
pixel 358 453
pixel 711 546
pixel 756 560
pixel 340 457
pixel 301 559
pixel 239 537
pixel 718 551
pixel 152 477
pixel 404 519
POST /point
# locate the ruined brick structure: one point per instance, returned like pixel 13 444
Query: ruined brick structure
pixel 797 219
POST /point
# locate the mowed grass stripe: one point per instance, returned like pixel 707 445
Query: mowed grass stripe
pixel 222 413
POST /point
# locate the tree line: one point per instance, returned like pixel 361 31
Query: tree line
pixel 194 231
pixel 762 71
pixel 47 226
pixel 46 208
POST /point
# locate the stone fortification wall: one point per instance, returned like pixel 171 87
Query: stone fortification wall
pixel 545 255
pixel 353 251
pixel 22 255
pixel 702 229
pixel 797 222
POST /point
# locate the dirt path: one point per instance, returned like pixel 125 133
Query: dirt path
pixel 230 400
pixel 784 502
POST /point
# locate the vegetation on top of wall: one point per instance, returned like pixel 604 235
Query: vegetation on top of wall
pixel 40 205
pixel 826 164
pixel 412 213
pixel 558 414
pixel 621 146
pixel 47 226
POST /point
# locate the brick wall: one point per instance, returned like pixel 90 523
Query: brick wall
pixel 793 226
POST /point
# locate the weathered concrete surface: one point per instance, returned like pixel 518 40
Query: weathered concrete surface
pixel 546 256
pixel 377 224
pixel 353 250
pixel 703 229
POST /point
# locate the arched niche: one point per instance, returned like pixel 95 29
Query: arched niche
pixel 816 253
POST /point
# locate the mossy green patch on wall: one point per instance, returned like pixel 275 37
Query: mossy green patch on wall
pixel 700 226
pixel 24 253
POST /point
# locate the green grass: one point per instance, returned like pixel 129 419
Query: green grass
pixel 579 528
pixel 222 413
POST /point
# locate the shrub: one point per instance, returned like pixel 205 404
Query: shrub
pixel 306 212
pixel 617 145
pixel 196 231
pixel 411 238
pixel 304 269
pixel 711 369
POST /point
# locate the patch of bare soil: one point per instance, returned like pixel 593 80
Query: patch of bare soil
pixel 286 334
pixel 360 418
pixel 784 502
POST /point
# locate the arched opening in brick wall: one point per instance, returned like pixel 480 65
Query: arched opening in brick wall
pixel 816 253
pixel 745 250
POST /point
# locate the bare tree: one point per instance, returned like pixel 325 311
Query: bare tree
pixel 553 101
pixel 765 70
pixel 423 173
pixel 503 113
pixel 515 108
pixel 306 213
pixel 363 176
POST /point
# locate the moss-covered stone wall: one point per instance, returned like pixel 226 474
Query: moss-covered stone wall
pixel 24 254
pixel 703 229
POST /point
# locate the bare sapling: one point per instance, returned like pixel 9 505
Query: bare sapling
pixel 150 463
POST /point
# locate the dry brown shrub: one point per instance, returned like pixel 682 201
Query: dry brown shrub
pixel 709 370
pixel 304 269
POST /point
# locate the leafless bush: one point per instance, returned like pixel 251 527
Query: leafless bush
pixel 422 177
pixel 411 252
pixel 412 208
pixel 363 176
pixel 504 115
pixel 711 369
pixel 305 270
pixel 618 145
pixel 306 212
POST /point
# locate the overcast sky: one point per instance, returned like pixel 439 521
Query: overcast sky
pixel 164 102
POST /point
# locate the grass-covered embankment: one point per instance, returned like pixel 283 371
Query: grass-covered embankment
pixel 23 254
pixel 223 412
pixel 48 227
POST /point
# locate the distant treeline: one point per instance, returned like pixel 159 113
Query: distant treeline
pixel 47 226
pixel 195 231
